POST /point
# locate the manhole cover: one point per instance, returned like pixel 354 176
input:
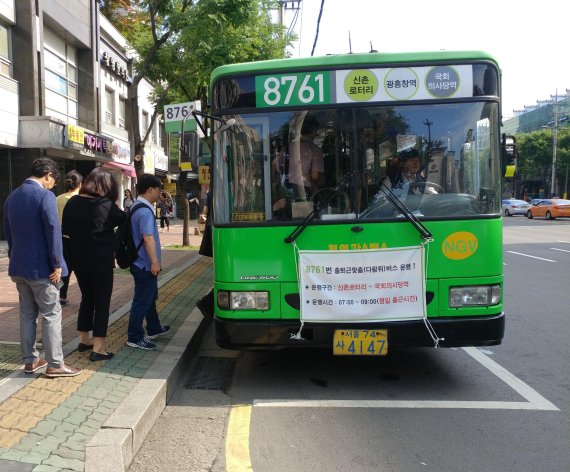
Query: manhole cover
pixel 211 373
pixel 10 358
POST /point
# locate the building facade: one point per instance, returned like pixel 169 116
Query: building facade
pixel 65 74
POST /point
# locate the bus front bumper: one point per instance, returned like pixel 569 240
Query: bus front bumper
pixel 274 334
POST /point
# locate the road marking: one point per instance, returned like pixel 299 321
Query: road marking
pixel 560 241
pixel 237 439
pixel 561 250
pixel 515 383
pixel 533 257
pixel 535 401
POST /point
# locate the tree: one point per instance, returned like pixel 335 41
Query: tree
pixel 534 160
pixel 179 42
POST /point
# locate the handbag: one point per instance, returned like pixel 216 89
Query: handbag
pixel 206 244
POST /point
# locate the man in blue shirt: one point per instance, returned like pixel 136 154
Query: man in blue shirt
pixel 33 232
pixel 146 267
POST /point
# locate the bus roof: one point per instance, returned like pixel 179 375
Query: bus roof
pixel 336 60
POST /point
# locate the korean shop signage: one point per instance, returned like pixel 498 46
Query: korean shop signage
pixel 81 139
pixel 364 85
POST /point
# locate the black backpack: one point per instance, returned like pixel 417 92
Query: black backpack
pixel 125 249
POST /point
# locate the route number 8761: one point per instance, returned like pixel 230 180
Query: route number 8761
pixel 292 89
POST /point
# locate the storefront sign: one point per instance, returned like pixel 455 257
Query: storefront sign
pixel 121 151
pixel 97 144
pixel 114 66
pixel 204 175
pixel 75 134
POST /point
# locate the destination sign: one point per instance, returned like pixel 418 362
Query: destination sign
pixel 364 86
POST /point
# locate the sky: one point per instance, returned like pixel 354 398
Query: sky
pixel 529 43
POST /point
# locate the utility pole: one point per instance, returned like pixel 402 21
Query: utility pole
pixel 554 144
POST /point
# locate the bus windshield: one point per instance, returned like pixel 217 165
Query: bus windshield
pixel 440 160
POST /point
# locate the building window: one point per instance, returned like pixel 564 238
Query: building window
pixel 5 54
pixel 60 60
pixel 109 106
pixel 122 115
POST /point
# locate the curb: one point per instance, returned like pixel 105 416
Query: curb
pixel 116 443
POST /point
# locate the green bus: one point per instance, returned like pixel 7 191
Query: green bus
pixel 357 202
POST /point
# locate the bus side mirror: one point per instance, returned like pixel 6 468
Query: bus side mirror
pixel 509 155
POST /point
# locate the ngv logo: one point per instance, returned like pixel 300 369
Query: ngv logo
pixel 460 245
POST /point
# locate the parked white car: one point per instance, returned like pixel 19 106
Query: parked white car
pixel 512 206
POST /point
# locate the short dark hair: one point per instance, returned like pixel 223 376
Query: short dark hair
pixel 44 166
pixel 147 181
pixel 310 123
pixel 73 180
pixel 100 183
pixel 408 154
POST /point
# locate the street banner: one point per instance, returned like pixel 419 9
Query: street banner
pixel 362 286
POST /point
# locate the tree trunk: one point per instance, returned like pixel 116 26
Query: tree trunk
pixel 181 190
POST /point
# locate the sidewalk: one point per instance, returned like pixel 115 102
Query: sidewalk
pixel 97 420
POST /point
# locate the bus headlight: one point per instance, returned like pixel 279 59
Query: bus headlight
pixel 243 300
pixel 474 295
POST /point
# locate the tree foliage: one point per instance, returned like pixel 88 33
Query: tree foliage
pixel 534 160
pixel 179 42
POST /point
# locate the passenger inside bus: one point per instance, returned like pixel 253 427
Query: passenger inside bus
pixel 306 162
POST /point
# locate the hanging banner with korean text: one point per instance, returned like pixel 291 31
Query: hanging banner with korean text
pixel 362 286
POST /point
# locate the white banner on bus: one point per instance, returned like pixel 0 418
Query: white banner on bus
pixel 362 286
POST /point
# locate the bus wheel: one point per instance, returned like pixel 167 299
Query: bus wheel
pixel 529 215
pixel 549 216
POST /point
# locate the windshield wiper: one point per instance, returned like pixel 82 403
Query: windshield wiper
pixel 404 210
pixel 313 214
pixel 299 229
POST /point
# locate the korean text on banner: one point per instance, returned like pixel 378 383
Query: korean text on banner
pixel 362 286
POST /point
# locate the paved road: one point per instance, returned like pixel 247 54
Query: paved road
pixel 504 408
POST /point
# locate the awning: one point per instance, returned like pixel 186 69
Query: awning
pixel 127 169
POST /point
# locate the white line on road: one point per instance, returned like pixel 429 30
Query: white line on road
pixel 533 257
pixel 560 241
pixel 515 383
pixel 410 404
pixel 535 401
pixel 561 250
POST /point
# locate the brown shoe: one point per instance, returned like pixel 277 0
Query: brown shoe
pixel 30 368
pixel 63 371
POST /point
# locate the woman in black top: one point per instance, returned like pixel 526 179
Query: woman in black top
pixel 89 220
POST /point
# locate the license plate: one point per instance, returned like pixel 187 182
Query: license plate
pixel 360 342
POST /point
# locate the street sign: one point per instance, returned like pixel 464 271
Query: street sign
pixel 176 113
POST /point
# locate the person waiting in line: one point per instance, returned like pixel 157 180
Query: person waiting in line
pixel 73 181
pixel 206 303
pixel 146 267
pixel 36 265
pixel 89 220
pixel 128 200
pixel 306 161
